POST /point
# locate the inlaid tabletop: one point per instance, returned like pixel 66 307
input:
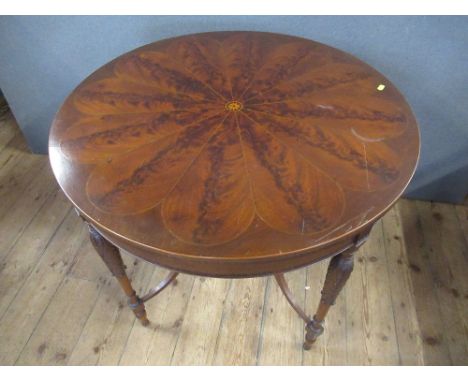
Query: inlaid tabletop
pixel 234 144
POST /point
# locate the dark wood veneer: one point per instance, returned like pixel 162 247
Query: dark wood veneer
pixel 233 145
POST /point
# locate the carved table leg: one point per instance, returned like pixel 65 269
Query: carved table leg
pixel 110 254
pixel 338 273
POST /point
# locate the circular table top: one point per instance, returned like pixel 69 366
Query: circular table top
pixel 234 144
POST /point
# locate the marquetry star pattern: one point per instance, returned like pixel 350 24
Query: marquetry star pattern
pixel 213 132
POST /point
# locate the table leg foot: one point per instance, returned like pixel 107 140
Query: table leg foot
pixel 314 329
pixel 138 308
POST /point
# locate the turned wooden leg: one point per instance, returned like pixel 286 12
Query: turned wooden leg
pixel 110 254
pixel 338 273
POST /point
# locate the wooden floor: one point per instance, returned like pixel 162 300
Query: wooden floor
pixel 405 303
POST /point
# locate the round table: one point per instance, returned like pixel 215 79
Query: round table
pixel 234 154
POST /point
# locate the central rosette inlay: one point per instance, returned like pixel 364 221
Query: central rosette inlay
pixel 233 106
pixel 214 134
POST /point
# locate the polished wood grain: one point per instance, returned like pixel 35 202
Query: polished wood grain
pixel 234 154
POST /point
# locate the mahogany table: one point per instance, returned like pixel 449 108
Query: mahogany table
pixel 234 154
